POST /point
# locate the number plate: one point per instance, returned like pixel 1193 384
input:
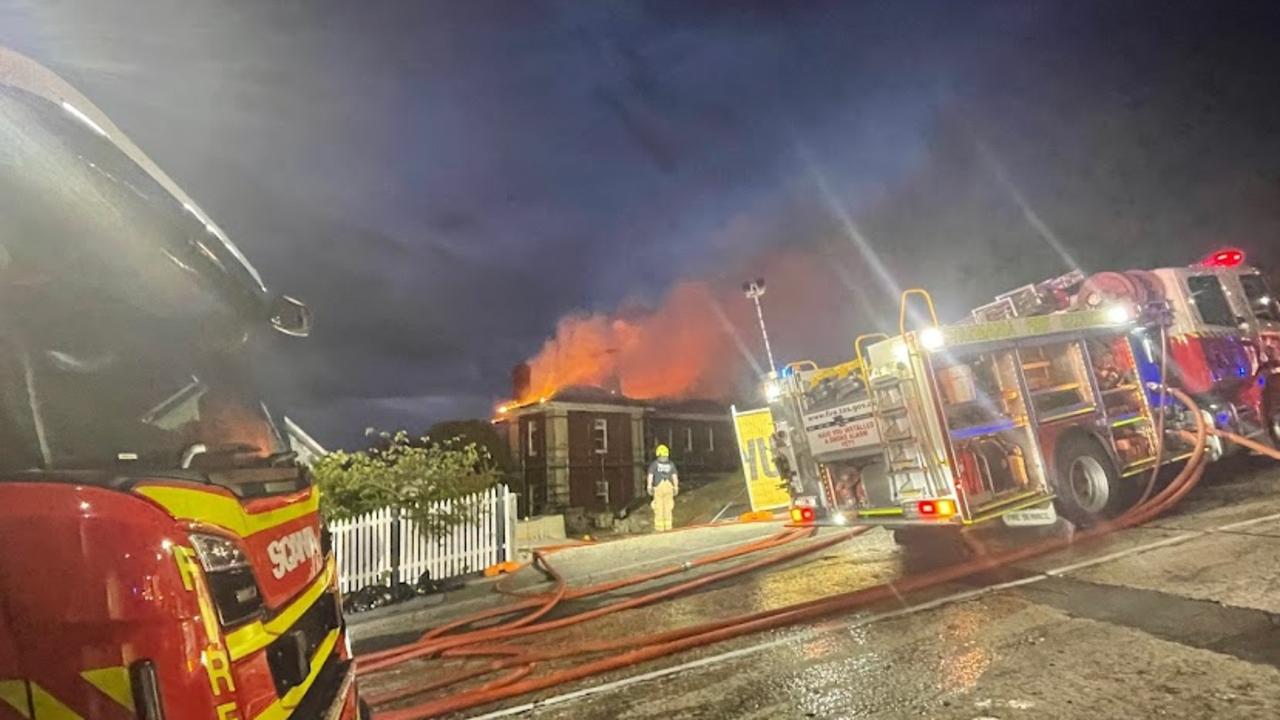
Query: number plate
pixel 1032 517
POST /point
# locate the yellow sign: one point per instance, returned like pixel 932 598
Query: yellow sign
pixel 765 485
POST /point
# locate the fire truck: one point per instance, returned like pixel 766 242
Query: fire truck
pixel 163 554
pixel 1047 402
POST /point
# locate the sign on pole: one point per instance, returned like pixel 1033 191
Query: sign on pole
pixel 765 486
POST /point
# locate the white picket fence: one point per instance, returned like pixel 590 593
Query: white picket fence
pixel 367 552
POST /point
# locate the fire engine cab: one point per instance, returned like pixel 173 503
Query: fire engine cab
pixel 163 554
pixel 1047 402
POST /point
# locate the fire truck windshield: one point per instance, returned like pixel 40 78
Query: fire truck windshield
pixel 1261 301
pixel 124 313
pixel 113 409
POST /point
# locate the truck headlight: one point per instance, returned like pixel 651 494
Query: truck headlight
pixel 218 553
pixel 231 581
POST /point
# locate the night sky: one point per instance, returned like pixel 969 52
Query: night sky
pixel 442 181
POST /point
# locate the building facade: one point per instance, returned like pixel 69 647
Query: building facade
pixel 589 448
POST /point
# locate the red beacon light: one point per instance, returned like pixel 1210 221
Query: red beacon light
pixel 1225 258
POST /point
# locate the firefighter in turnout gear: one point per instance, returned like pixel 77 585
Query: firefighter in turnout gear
pixel 663 485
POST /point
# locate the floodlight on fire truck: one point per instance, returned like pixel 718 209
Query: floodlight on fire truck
pixel 932 339
pixel 1119 314
pixel 772 391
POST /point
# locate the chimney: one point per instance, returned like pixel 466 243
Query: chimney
pixel 521 380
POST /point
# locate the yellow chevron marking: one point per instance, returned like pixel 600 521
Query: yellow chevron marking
pixel 14 694
pixel 112 682
pixel 48 707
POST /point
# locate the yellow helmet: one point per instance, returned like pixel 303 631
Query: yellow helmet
pixel 662 451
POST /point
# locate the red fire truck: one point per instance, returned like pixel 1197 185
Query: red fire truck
pixel 1044 402
pixel 163 555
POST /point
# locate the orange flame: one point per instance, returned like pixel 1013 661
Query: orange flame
pixel 702 340
pixel 674 351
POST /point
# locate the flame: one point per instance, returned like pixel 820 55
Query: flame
pixel 676 350
pixel 702 340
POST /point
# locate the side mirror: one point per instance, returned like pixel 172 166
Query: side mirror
pixel 290 316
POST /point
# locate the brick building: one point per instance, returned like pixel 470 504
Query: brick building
pixel 588 447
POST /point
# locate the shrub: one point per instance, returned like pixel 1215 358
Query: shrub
pixel 412 475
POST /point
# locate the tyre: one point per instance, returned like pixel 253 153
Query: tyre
pixel 1086 483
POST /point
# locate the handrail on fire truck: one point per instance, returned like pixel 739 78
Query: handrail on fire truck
pixel 902 308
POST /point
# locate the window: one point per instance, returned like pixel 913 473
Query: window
pixel 1207 295
pixel 600 436
pixel 688 439
pixel 1261 301
pixel 532 441
pixel 711 438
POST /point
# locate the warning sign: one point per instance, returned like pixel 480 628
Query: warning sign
pixel 765 486
pixel 842 428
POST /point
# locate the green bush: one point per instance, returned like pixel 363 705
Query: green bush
pixel 412 475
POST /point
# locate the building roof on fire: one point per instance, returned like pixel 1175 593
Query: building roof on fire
pixel 593 395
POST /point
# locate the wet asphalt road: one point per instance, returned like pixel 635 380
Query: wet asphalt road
pixel 1176 619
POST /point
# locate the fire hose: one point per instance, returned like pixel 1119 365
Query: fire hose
pixel 438 642
pixel 518 662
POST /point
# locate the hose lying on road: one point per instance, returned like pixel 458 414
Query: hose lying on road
pixel 544 601
pixel 438 640
pixel 520 660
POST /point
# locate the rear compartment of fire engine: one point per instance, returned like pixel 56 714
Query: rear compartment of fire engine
pixel 827 441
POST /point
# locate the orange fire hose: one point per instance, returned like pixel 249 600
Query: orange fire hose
pixel 534 599
pixel 522 655
pixel 640 649
pixel 1253 445
pixel 432 642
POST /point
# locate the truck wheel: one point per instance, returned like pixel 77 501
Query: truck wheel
pixel 1087 486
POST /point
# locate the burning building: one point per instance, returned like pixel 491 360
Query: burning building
pixel 588 447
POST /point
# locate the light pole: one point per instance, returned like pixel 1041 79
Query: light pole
pixel 754 289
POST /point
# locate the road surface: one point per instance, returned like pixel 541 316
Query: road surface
pixel 1177 619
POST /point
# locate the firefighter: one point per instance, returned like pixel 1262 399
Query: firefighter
pixel 663 486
